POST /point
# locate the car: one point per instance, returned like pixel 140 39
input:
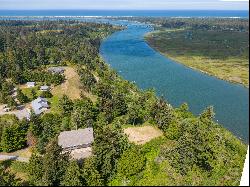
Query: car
pixel 6 109
pixel 20 107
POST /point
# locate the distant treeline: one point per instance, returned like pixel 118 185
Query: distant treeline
pixel 223 24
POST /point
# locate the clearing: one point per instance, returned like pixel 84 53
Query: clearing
pixel 71 87
pixel 21 113
pixel 142 135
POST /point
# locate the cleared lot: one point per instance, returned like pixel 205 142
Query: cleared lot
pixel 71 87
pixel 142 135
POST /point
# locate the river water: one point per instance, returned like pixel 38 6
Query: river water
pixel 128 53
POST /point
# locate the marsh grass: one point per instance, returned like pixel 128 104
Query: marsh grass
pixel 223 54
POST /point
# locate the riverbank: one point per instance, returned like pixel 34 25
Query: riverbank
pixel 196 50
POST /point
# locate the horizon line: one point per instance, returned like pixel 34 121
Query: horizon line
pixel 133 9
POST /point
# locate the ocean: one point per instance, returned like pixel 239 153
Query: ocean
pixel 146 13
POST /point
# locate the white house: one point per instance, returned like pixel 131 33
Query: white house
pixel 44 88
pixel 30 84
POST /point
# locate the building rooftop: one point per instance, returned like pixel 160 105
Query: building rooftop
pixel 74 138
pixel 31 83
pixel 39 105
pixel 56 69
pixel 44 87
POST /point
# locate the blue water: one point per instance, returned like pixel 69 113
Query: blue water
pixel 152 13
pixel 127 52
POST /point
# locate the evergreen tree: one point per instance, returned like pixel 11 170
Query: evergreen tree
pixel 33 94
pixel 21 97
pixel 90 174
pixel 35 170
pixel 66 105
pixel 8 179
pixel 109 145
pixel 14 137
pixel 55 163
pixel 72 175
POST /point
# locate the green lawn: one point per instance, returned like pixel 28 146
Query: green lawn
pixel 223 54
pixel 27 91
pixel 54 103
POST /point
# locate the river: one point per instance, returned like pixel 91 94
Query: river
pixel 128 53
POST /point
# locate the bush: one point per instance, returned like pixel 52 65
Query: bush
pixel 46 94
pixel 131 162
pixel 14 137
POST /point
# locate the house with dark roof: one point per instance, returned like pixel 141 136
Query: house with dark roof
pixel 39 105
pixel 56 70
pixel 77 142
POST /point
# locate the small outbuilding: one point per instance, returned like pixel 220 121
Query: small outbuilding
pixel 56 70
pixel 31 84
pixel 44 88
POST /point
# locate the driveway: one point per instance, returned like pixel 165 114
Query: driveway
pixel 17 158
pixel 20 113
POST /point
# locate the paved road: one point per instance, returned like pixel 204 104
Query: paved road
pixel 17 158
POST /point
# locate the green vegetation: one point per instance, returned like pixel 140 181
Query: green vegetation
pixel 12 134
pixel 193 150
pixel 7 178
pixel 220 49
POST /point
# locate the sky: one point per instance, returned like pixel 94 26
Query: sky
pixel 125 4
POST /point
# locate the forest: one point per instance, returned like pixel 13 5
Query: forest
pixel 192 147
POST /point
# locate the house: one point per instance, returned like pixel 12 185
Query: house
pixel 30 84
pixel 77 142
pixel 39 105
pixel 44 88
pixel 56 70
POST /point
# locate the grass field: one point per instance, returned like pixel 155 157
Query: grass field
pixel 223 54
pixel 143 134
pixel 28 93
pixel 71 87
